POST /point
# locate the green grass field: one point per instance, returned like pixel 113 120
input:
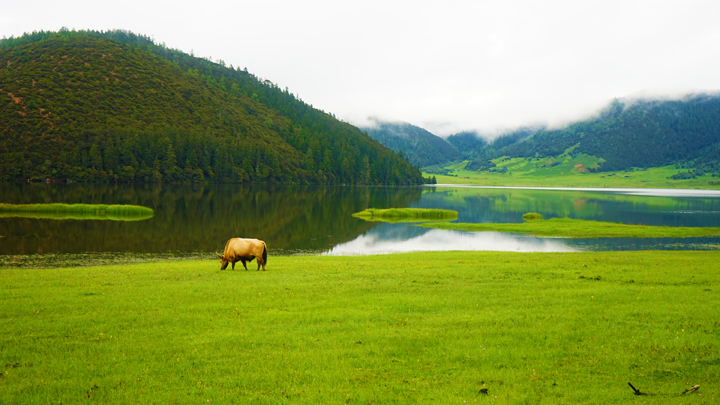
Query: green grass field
pixel 570 171
pixel 530 328
pixel 580 228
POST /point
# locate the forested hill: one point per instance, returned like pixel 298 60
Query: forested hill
pixel 469 143
pixel 637 134
pixel 115 106
pixel 420 146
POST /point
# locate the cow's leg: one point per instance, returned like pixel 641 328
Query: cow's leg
pixel 233 265
pixel 244 265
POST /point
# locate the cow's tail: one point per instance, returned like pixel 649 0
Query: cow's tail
pixel 264 253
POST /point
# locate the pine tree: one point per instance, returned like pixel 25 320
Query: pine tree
pixel 96 161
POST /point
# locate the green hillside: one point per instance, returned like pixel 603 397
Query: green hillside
pixel 474 145
pixel 420 146
pixel 114 106
pixel 624 136
pixel 572 171
pixel 469 143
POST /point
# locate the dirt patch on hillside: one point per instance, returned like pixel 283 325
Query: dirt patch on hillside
pixel 17 100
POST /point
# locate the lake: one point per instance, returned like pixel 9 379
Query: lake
pixel 196 220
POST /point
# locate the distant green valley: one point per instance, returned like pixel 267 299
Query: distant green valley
pixel 115 107
pixel 626 135
pixel 664 143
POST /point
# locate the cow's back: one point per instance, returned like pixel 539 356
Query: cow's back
pixel 240 247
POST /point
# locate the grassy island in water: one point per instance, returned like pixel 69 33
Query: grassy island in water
pixel 116 212
pixel 406 214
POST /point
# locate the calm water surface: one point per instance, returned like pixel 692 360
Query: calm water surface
pixel 195 220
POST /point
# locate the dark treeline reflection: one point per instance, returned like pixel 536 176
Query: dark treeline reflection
pixel 196 218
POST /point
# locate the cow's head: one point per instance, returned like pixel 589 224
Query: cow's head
pixel 223 261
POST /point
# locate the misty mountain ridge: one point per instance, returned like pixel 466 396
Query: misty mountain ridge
pixel 475 144
pixel 628 133
pixel 421 147
pixel 640 134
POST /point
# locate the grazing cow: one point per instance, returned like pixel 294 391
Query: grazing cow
pixel 239 249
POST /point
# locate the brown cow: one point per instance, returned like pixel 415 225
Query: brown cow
pixel 239 249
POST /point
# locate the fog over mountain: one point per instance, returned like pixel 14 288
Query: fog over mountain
pixel 419 146
pixel 447 67
pixel 627 133
pixel 632 132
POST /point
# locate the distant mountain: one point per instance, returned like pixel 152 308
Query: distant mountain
pixel 469 143
pixel 474 145
pixel 114 106
pixel 420 146
pixel 638 134
pixel 627 134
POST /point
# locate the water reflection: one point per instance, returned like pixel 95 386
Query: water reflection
pixel 381 240
pixel 626 244
pixel 628 206
pixel 402 239
pixel 194 220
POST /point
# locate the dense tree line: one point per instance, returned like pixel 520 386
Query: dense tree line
pixel 480 165
pixel 115 106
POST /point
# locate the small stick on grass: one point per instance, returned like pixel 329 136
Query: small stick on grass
pixel 637 391
pixel 687 391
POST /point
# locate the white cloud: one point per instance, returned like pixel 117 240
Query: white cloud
pixel 444 66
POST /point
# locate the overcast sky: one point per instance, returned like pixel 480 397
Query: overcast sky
pixel 444 65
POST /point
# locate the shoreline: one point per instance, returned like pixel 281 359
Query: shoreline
pixel 83 261
pixel 653 192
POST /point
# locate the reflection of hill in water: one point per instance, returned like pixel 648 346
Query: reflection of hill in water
pixel 387 231
pixel 199 218
pixel 508 205
pixel 196 218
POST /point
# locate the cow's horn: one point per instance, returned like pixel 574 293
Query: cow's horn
pixel 216 253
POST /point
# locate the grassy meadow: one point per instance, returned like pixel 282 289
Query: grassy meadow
pixel 569 171
pixel 440 327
